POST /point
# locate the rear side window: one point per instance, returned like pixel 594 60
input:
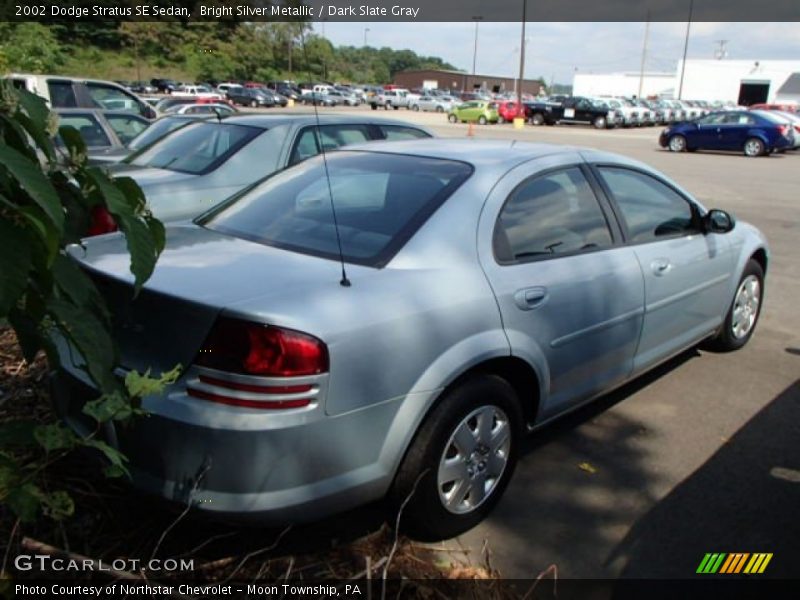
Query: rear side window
pixel 156 131
pixel 61 94
pixel 398 132
pixel 333 136
pixel 197 149
pixel 552 214
pixel 380 201
pixel 88 126
pixel 650 208
pixel 111 98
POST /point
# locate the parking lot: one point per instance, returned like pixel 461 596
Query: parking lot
pixel 699 456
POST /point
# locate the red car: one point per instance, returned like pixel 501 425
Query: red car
pixel 509 110
pixel 767 106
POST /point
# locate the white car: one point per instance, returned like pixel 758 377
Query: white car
pixel 197 91
pixel 435 103
pixel 630 113
pixel 201 109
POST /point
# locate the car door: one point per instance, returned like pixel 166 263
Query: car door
pixel 709 132
pixel 584 112
pixel 570 294
pixel 734 130
pixel 686 271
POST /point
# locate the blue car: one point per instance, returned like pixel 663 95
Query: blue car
pixel 756 133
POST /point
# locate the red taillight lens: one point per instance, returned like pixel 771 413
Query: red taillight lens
pixel 784 129
pixel 239 346
pixel 101 222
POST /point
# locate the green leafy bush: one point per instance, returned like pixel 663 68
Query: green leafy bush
pixel 48 194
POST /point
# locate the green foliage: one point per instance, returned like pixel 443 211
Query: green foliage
pixel 22 484
pixel 29 47
pixel 198 51
pixel 46 200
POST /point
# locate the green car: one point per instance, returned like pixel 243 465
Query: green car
pixel 474 110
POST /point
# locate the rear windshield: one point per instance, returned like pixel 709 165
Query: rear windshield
pixel 156 131
pixel 380 201
pixel 197 149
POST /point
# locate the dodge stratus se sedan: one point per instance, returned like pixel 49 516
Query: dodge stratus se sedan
pixel 488 288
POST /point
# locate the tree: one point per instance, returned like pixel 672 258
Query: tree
pixel 30 47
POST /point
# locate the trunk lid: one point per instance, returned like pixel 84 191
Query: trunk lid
pixel 199 274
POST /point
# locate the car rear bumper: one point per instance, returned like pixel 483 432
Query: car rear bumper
pixel 288 474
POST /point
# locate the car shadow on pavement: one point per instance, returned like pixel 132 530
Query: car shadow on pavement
pixel 743 499
pixel 577 484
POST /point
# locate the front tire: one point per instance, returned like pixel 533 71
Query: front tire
pixel 460 461
pixel 452 118
pixel 482 120
pixel 600 123
pixel 742 317
pixel 677 143
pixel 537 119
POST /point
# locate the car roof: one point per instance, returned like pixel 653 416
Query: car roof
pixel 486 153
pixel 275 119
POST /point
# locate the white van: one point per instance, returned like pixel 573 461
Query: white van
pixel 73 92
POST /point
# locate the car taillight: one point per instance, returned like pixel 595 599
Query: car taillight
pixel 238 346
pixel 101 222
pixel 784 129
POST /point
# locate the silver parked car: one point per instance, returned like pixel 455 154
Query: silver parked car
pixel 198 166
pixel 435 103
pixel 484 289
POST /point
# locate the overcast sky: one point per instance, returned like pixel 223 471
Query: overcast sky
pixel 556 50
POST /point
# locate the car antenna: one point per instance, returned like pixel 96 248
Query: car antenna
pixel 344 281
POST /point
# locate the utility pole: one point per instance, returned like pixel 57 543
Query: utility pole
pixel 522 52
pixel 475 47
pixel 722 52
pixel 685 48
pixel 644 53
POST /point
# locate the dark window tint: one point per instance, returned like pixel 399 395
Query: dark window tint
pixel 333 136
pixel 650 208
pixel 111 98
pixel 61 94
pixel 398 132
pixel 88 126
pixel 552 214
pixel 198 148
pixel 380 200
pixel 127 127
pixel 156 131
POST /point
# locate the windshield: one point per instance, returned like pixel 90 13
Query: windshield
pixel 197 148
pixel 380 200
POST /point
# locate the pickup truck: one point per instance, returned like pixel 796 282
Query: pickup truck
pixel 575 109
pixel 393 99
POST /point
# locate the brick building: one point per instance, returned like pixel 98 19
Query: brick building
pixel 458 81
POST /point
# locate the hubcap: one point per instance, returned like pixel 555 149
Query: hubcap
pixel 676 144
pixel 474 459
pixel 745 307
pixel 752 148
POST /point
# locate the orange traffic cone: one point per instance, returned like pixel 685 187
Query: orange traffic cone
pixel 470 132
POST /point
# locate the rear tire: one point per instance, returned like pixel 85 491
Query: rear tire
pixel 742 317
pixel 754 147
pixel 460 460
pixel 482 120
pixel 600 123
pixel 452 118
pixel 439 109
pixel 537 119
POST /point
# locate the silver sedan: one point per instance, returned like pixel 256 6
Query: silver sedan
pixel 389 325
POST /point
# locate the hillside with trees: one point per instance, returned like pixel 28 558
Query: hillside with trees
pixel 197 52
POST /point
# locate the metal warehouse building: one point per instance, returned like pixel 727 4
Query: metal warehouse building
pixel 742 81
pixel 460 81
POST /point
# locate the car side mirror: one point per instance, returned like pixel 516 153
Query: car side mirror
pixel 718 221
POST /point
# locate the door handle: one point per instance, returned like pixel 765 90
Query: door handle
pixel 530 298
pixel 660 266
